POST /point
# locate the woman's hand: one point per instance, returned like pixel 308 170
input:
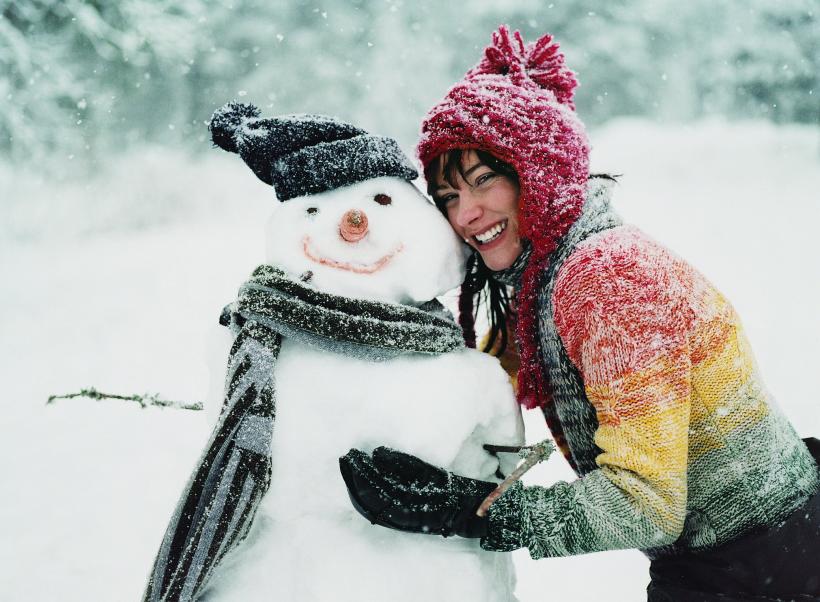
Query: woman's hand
pixel 399 491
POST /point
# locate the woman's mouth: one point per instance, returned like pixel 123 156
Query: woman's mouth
pixel 491 234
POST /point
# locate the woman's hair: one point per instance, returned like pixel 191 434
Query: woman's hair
pixel 479 288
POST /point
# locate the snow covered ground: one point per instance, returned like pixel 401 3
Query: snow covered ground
pixel 117 283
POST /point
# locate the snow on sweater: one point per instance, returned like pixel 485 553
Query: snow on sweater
pixel 677 442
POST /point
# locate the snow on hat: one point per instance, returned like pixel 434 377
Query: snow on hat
pixel 517 104
pixel 306 154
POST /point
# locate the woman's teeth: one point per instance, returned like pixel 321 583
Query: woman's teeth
pixel 491 234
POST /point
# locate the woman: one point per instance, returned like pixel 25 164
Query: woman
pixel 640 366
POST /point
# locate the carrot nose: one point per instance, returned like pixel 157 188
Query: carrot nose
pixel 354 225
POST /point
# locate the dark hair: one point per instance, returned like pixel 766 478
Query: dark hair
pixel 453 161
pixel 479 288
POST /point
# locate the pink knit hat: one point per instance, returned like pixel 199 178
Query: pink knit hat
pixel 516 104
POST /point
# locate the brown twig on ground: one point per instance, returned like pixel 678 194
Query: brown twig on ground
pixel 145 400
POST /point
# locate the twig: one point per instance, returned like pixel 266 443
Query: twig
pixel 145 400
pixel 537 453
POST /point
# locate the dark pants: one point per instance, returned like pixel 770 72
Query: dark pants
pixel 778 564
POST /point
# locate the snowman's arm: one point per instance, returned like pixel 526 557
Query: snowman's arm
pixel 505 430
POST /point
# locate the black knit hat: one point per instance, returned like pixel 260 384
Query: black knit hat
pixel 306 154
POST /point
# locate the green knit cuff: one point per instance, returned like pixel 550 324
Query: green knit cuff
pixel 504 524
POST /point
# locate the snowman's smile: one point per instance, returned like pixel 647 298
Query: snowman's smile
pixel 358 268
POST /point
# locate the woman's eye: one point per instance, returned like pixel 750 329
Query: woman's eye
pixel 485 177
pixel 447 198
pixel 312 210
pixel 383 199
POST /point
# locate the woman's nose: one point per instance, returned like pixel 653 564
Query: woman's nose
pixel 353 226
pixel 468 210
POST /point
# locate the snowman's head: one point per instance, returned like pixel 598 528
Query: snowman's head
pixel 350 222
pixel 379 239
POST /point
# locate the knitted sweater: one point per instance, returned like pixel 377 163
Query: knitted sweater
pixel 663 413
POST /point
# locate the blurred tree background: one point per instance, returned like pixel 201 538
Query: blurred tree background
pixel 82 79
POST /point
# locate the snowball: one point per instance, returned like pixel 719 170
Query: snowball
pixel 307 540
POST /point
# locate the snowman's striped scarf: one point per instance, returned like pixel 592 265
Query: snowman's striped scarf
pixel 218 504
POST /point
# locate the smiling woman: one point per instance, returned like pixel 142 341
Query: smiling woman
pixel 640 365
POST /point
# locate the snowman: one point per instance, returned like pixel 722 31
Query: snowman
pixel 335 344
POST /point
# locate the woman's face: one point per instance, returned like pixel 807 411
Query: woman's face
pixel 482 208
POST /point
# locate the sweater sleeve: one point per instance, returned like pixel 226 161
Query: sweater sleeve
pixel 622 310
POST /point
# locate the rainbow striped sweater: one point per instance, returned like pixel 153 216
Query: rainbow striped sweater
pixel 662 411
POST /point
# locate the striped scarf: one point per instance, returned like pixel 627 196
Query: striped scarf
pixel 217 507
pixel 563 385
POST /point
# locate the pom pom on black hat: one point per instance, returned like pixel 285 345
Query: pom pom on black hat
pixel 226 120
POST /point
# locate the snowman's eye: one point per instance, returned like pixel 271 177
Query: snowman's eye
pixel 382 199
pixel 312 210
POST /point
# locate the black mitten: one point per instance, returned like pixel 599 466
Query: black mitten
pixel 397 490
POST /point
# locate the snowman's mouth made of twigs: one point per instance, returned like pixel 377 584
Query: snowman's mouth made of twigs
pixel 357 268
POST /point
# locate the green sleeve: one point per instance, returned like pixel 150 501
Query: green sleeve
pixel 588 515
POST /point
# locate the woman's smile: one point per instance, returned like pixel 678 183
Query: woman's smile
pixel 491 235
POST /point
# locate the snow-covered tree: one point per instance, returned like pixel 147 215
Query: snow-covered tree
pixel 70 64
pixel 83 78
pixel 761 59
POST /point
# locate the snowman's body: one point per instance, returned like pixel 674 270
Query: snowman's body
pixel 307 542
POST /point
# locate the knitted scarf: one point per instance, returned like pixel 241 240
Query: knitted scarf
pixel 217 506
pixel 544 367
pixel 567 411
